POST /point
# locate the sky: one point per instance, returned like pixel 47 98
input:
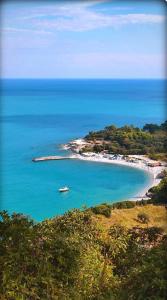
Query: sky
pixel 83 39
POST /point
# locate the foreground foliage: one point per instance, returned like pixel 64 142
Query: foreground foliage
pixel 72 257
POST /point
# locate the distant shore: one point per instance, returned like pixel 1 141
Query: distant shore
pixel 135 161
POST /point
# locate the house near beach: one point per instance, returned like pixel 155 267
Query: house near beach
pixel 154 164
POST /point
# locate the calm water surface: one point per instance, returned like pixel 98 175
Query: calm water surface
pixel 38 115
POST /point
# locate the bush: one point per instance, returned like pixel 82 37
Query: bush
pixel 141 202
pixel 143 218
pixel 124 205
pixel 103 209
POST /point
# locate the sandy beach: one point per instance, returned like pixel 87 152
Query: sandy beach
pixel 137 161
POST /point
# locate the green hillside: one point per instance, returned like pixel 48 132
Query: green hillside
pixel 151 140
pixel 86 255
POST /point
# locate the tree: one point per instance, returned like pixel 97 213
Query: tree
pixel 151 128
pixel 148 279
pixel 159 193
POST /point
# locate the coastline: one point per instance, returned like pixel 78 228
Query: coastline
pixel 139 162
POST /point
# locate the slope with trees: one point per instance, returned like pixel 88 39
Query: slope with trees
pixel 151 140
pixel 75 257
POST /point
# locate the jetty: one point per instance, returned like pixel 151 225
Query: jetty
pixel 52 157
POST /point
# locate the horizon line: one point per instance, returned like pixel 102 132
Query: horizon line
pixel 84 78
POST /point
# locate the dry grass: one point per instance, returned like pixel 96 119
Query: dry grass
pixel 128 217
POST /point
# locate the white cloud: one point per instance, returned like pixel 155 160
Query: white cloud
pixel 79 16
pixel 90 21
pixel 12 29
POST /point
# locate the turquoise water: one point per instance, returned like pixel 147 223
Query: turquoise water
pixel 38 115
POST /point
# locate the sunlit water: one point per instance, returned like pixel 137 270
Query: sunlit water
pixel 38 115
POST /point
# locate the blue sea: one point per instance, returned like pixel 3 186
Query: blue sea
pixel 37 116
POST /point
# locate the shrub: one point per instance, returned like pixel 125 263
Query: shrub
pixel 142 202
pixel 103 209
pixel 124 204
pixel 143 218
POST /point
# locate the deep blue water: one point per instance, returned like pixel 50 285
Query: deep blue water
pixel 38 115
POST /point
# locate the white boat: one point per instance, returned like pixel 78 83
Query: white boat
pixel 64 189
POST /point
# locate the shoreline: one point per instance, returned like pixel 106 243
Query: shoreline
pixel 139 162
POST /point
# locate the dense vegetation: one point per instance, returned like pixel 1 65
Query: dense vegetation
pixel 150 140
pixel 71 257
pixel 158 193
